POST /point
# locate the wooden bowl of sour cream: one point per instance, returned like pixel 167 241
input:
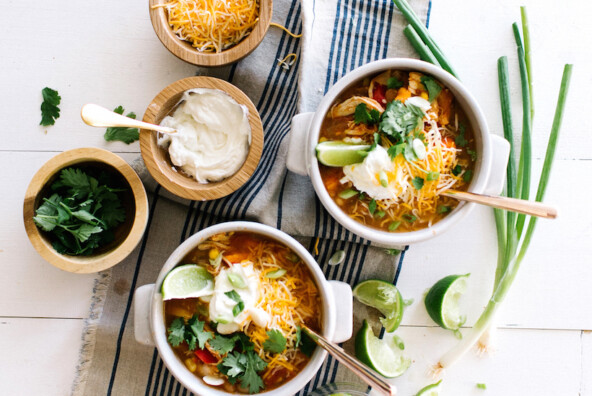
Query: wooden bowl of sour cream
pixel 158 160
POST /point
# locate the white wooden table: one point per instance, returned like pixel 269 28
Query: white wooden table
pixel 106 52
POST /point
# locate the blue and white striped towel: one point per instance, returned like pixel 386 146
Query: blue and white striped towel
pixel 339 35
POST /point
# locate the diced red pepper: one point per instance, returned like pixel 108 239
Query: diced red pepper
pixel 379 93
pixel 205 356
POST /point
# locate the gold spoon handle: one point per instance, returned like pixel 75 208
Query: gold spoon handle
pixel 512 204
pixel 370 377
pixel 97 116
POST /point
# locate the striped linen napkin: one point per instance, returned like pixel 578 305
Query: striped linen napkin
pixel 339 35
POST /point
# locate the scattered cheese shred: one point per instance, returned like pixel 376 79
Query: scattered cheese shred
pixel 212 25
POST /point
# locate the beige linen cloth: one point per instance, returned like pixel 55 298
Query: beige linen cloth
pixel 339 35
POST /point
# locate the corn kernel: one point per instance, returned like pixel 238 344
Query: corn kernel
pixel 214 253
pixel 191 365
pixel 424 95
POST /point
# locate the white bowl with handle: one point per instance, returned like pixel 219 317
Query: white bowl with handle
pixel 335 310
pixel 488 175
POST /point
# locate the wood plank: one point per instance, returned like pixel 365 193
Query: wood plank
pixel 30 286
pixel 558 35
pixel 39 356
pixel 586 378
pixel 516 368
pixel 107 54
pixel 554 276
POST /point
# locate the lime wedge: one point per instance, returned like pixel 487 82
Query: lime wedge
pixel 441 302
pixel 383 296
pixel 430 390
pixel 378 355
pixel 340 154
pixel 187 281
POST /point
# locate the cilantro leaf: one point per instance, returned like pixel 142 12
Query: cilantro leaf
pixel 460 140
pixel 222 344
pixel 468 175
pixel 393 83
pixel 176 332
pixel 417 182
pixel 473 154
pixel 122 134
pixel 395 150
pixel 398 120
pixel 244 342
pixel 365 116
pixel 307 345
pixel 49 107
pixel 276 342
pixel 298 336
pixel 250 379
pixel 432 86
pixel 196 327
pixel 443 209
pixel 233 365
pixel 457 170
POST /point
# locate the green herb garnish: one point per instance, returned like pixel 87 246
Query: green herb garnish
pixel 276 273
pixel 394 225
pixel 409 217
pixel 347 194
pixel 393 83
pixel 237 281
pixel 432 176
pixel 395 150
pixel 240 305
pixel 244 367
pixel 399 120
pixel 122 134
pixel 482 386
pixel 176 332
pixel 457 170
pixel 372 207
pixel 468 175
pixel 222 344
pixel 192 333
pixel 473 154
pixel 276 342
pixel 365 116
pixel 460 139
pixel 417 182
pixel 443 209
pixel 49 107
pixel 432 87
pixel 82 212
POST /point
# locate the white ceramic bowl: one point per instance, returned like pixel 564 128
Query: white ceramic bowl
pixel 149 316
pixel 490 167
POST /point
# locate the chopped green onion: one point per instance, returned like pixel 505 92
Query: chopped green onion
pixel 383 179
pixel 410 218
pixel 443 209
pixel 347 194
pixel 276 274
pixel 372 207
pixel 482 386
pixel 216 262
pixel 237 281
pixel 432 176
pixel 468 175
pixel 337 258
pixel 380 214
pixel 394 225
pixel 398 342
pixel 293 257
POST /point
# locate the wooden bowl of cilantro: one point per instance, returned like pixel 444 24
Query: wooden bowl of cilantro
pixel 85 210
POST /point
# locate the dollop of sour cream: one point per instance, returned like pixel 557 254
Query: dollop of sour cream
pixel 221 305
pixel 365 176
pixel 213 135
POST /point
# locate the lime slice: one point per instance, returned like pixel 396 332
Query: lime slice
pixel 430 390
pixel 441 302
pixel 187 281
pixel 378 355
pixel 340 153
pixel 383 296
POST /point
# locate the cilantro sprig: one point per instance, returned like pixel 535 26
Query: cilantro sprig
pixel 244 368
pixel 276 342
pixel 49 107
pixel 365 116
pixel 122 134
pixel 432 87
pixel 82 212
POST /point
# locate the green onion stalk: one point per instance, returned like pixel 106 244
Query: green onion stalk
pixel 513 241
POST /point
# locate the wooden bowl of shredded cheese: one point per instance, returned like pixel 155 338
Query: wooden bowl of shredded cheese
pixel 210 32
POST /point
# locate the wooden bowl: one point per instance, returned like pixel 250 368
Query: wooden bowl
pixel 127 234
pixel 184 51
pixel 158 162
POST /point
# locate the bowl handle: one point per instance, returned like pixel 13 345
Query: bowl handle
pixel 296 158
pixel 142 297
pixel 343 304
pixel 497 176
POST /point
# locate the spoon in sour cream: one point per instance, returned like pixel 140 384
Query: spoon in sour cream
pixel 97 116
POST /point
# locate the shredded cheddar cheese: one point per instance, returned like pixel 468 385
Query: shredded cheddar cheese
pixel 212 25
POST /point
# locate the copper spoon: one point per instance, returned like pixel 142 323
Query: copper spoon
pixel 97 116
pixel 370 377
pixel 512 204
